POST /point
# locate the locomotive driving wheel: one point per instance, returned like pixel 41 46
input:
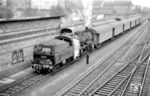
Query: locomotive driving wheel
pixel 54 69
pixel 38 70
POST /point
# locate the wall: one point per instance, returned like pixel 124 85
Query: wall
pixel 17 54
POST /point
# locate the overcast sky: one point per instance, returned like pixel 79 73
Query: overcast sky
pixel 136 2
pixel 142 2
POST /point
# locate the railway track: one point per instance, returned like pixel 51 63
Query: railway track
pixel 136 80
pixel 22 84
pixel 145 84
pixel 85 86
pixel 126 82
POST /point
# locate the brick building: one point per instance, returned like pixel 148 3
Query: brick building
pixel 3 2
pixel 17 4
pixel 117 7
pixel 14 8
pixel 73 4
pixel 43 4
pixel 97 5
pixel 112 7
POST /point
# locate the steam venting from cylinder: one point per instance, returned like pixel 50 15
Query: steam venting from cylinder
pixel 76 45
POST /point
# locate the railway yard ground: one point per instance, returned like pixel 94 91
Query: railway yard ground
pixel 113 69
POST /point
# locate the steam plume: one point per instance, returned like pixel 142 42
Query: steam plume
pixel 88 6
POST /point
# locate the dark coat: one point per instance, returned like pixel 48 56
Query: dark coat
pixel 87 58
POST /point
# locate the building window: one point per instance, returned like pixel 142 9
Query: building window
pixel 14 57
pixel 20 55
pixel 17 56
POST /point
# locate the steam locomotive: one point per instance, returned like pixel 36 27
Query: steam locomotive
pixel 69 45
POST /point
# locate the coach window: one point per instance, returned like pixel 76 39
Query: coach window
pixel 135 22
pixel 130 24
pixel 113 32
pixel 123 27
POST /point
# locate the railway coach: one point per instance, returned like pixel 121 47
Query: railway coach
pixel 109 30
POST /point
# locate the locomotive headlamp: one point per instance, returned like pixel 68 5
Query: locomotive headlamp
pixel 37 48
pixel 47 50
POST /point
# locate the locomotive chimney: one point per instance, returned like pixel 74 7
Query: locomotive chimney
pixel 86 28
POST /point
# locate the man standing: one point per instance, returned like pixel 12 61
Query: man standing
pixel 87 57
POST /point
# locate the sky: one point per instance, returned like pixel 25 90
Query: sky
pixel 142 2
pixel 135 2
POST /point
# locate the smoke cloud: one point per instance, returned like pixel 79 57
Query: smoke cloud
pixel 88 7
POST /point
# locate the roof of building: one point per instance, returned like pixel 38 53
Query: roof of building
pixel 116 3
pixel 28 19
